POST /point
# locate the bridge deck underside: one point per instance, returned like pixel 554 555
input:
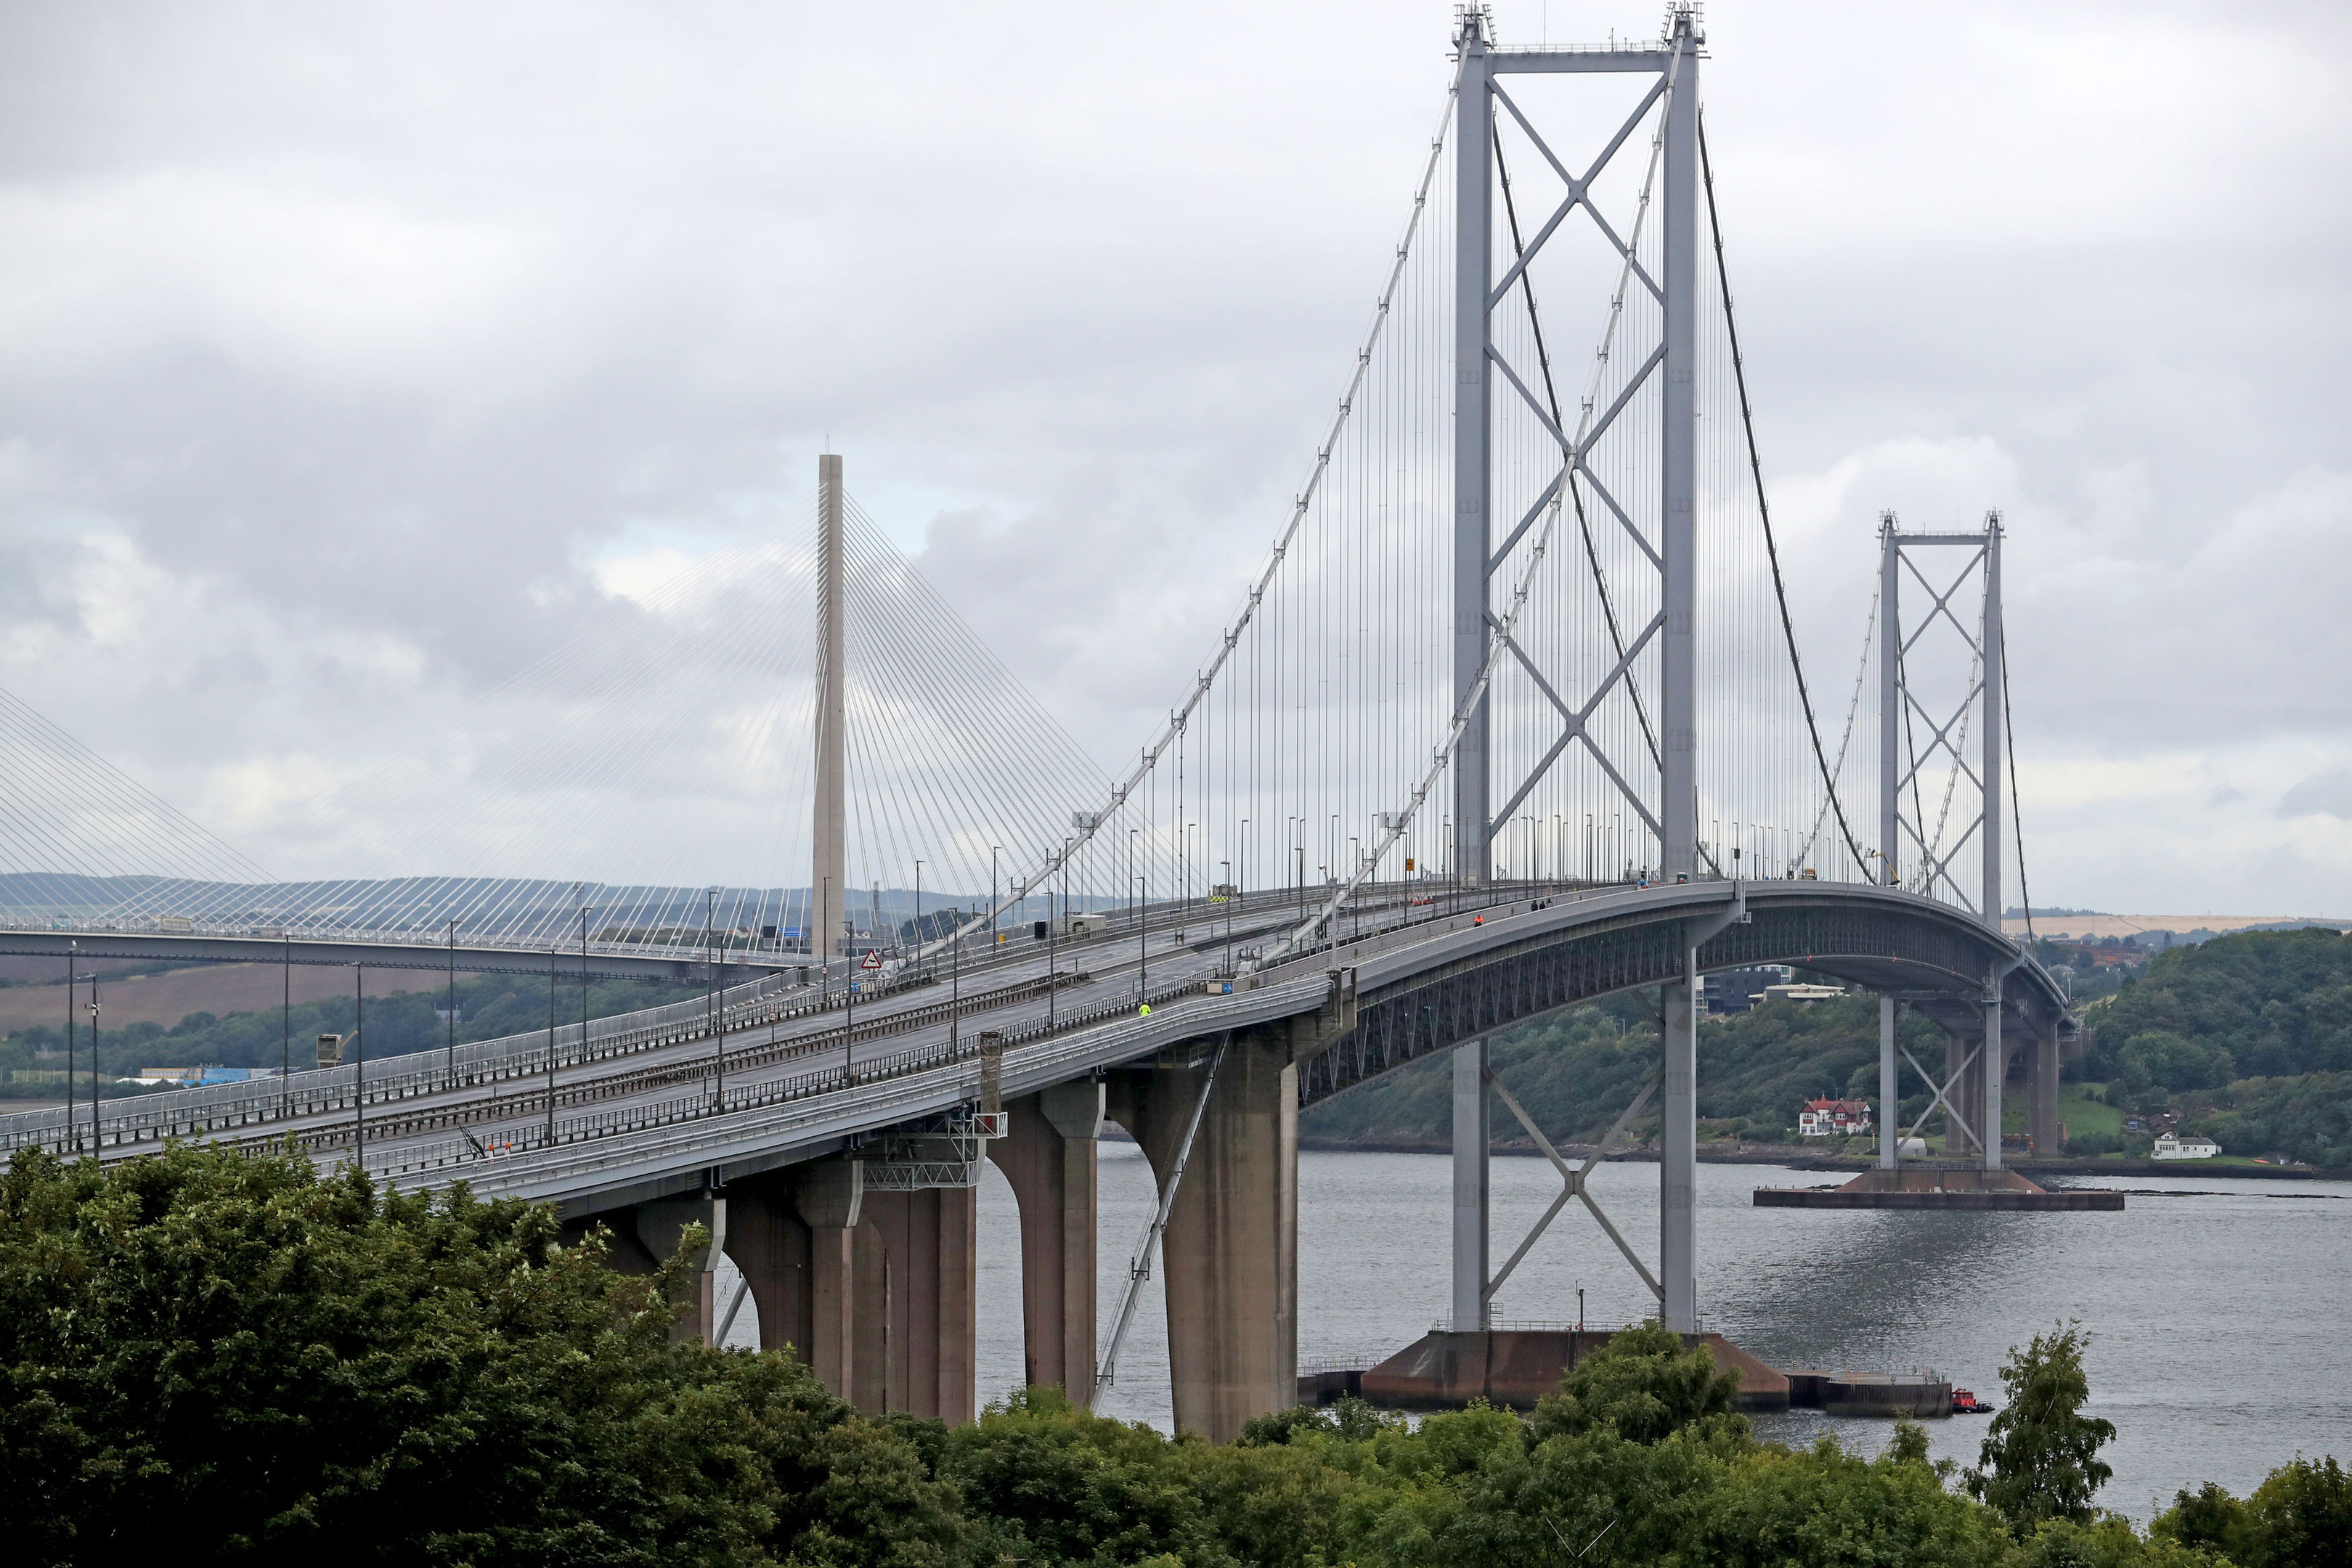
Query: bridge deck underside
pixel 1433 1012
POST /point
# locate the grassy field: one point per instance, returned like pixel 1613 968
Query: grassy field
pixel 168 997
pixel 2080 1113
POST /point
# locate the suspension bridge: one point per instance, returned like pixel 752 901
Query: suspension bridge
pixel 1513 716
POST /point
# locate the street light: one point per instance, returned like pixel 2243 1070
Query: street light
pixel 451 1072
pixel 1230 895
pixel 919 904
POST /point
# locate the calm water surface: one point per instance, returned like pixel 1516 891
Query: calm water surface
pixel 2220 1310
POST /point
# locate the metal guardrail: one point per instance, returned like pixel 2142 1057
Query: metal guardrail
pixel 1079 1044
pixel 686 1108
pixel 322 1090
pixel 746 1058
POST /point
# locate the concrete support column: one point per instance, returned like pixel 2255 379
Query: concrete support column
pixel 661 1228
pixel 831 1199
pixel 1049 1158
pixel 1995 1069
pixel 871 1344
pixel 1890 1102
pixel 770 1243
pixel 913 1262
pixel 1471 1143
pixel 1230 1255
pixel 1957 1096
pixel 1678 1152
pixel 2043 1122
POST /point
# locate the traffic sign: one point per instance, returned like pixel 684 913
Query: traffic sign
pixel 872 960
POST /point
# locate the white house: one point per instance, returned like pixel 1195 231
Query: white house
pixel 2172 1146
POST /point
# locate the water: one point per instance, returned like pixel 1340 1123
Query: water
pixel 2219 1308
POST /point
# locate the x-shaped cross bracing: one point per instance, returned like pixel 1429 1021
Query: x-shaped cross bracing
pixel 1577 720
pixel 1571 1186
pixel 1942 1092
pixel 1578 193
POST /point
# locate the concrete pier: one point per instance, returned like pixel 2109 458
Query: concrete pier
pixel 1049 1158
pixel 1230 1256
pixel 1938 1186
pixel 1515 1367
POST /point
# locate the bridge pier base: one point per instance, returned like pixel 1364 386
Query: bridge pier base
pixel 831 1199
pixel 1995 1066
pixel 2043 1101
pixel 915 1280
pixel 1678 1153
pixel 1231 1250
pixel 1048 1157
pixel 660 1227
pixel 771 1244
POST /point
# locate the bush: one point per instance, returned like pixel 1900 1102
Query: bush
pixel 208 1356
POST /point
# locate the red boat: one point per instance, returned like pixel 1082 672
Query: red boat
pixel 1966 1404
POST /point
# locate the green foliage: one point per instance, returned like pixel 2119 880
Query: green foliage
pixel 1644 1386
pixel 2040 1457
pixel 2264 1003
pixel 2308 1117
pixel 1575 1070
pixel 211 1357
pixel 2108 1541
pixel 2300 1517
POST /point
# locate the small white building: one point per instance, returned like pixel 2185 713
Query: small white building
pixel 1803 994
pixel 2172 1146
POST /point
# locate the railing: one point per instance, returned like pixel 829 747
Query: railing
pixel 262 1101
pixel 743 1058
pixel 469 1151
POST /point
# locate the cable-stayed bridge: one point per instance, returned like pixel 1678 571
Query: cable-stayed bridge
pixel 1512 716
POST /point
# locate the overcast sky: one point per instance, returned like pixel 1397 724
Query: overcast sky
pixel 352 356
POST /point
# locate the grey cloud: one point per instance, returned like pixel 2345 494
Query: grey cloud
pixel 2323 794
pixel 352 336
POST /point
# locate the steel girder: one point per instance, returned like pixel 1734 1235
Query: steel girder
pixel 1435 1011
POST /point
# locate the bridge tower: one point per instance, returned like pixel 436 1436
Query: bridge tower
pixel 1924 858
pixel 1674 60
pixel 829 869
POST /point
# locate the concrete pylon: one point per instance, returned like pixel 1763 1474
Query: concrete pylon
pixel 661 1227
pixel 768 1242
pixel 1049 1158
pixel 1230 1256
pixel 915 1343
pixel 1678 1151
pixel 831 1199
pixel 2043 1102
pixel 829 871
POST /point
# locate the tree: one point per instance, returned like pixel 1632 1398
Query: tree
pixel 1647 1387
pixel 210 1357
pixel 2040 1457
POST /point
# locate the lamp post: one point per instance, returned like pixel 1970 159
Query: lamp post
pixel 286 1028
pixel 551 1042
pixel 710 957
pixel 358 1066
pixel 93 1065
pixel 994 941
pixel 919 906
pixel 1187 875
pixel 451 1072
pixel 1134 910
pixel 72 1128
pixel 1230 893
pixel 582 1052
